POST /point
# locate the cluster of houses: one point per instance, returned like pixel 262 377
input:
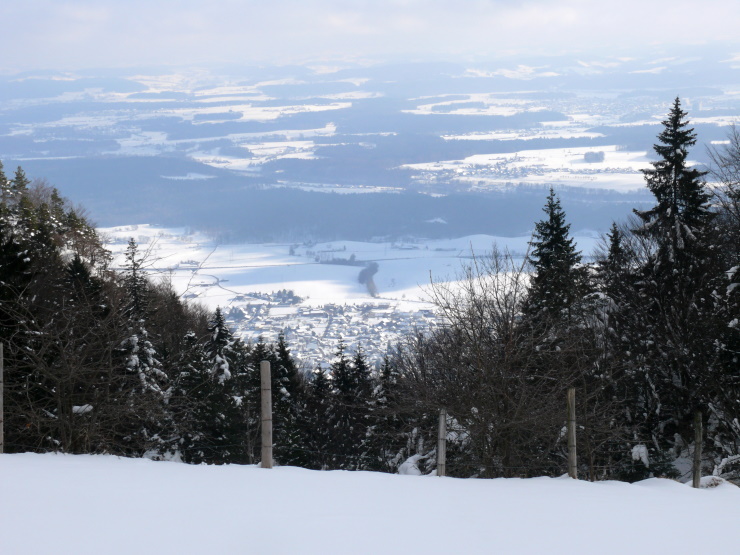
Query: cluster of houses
pixel 313 333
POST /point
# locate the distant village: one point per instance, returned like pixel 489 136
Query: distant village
pixel 313 333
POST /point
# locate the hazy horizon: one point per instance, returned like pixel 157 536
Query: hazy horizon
pixel 82 34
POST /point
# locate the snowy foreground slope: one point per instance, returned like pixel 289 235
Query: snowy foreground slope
pixel 101 504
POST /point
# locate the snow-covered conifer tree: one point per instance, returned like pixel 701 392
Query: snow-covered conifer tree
pixel 673 330
pixel 559 281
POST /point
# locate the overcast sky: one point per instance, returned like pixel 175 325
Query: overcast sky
pixel 73 34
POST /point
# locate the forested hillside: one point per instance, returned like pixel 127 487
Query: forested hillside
pixel 98 361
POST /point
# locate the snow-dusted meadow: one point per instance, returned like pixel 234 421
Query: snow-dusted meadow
pixel 619 170
pixel 213 273
pixel 103 504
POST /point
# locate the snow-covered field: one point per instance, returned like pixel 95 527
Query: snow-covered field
pixel 490 104
pixel 103 504
pixel 614 169
pixel 214 273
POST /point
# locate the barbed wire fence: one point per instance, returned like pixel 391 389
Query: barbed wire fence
pixel 434 458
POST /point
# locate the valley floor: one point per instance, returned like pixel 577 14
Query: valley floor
pixel 326 302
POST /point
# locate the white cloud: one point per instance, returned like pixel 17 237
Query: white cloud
pixel 654 70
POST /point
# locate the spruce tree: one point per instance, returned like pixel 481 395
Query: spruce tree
pixel 613 268
pixel 288 404
pixel 341 420
pixel 226 402
pixel 682 210
pixel 135 282
pixel 140 353
pixel 675 360
pixel 315 427
pixel 558 279
pixel 342 379
pixel 148 384
pixel 20 182
pixel 190 402
pixel 361 379
pixel 209 398
pixel 351 390
pixel 218 344
pixel 385 437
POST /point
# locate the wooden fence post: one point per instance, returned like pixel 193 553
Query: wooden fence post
pixel 697 448
pixel 266 389
pixel 572 459
pixel 442 443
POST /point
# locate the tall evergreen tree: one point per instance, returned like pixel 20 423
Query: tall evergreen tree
pixel 226 402
pixel 288 404
pixel 192 403
pixel 135 282
pixel 613 268
pixel 385 436
pixel 139 357
pixel 218 344
pixel 361 378
pixel 209 397
pixel 682 201
pixel 315 426
pixel 558 279
pixel 20 182
pixel 341 413
pixel 673 332
pixel 351 391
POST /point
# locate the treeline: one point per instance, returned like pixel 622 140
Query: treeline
pixel 649 335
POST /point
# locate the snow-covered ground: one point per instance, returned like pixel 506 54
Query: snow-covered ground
pixel 213 272
pixel 103 504
pixel 612 168
pixel 490 104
